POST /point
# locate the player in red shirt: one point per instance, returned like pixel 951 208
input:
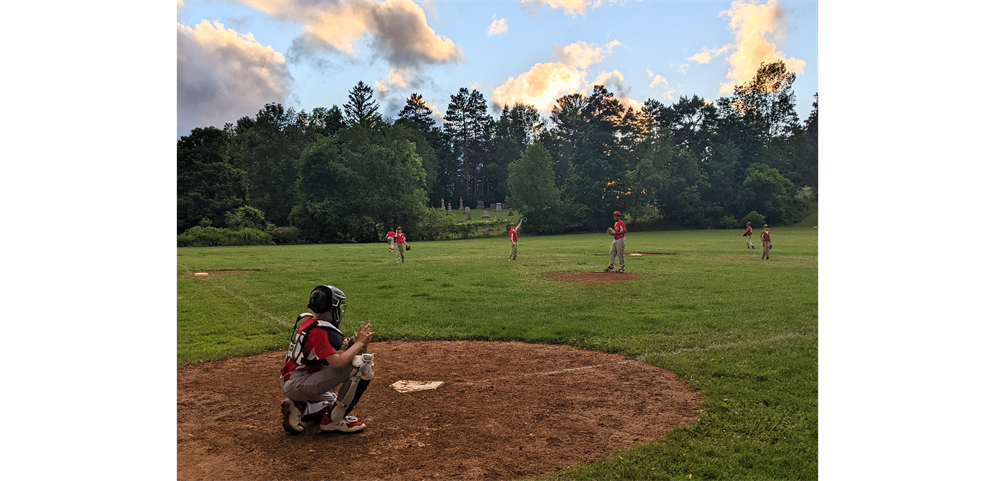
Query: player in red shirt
pixel 513 236
pixel 749 236
pixel 399 244
pixel 618 244
pixel 390 239
pixel 765 240
pixel 320 358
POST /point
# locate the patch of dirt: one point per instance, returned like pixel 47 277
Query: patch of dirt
pixel 505 411
pixel 225 272
pixel 592 276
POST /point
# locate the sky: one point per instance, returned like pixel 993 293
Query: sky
pixel 233 57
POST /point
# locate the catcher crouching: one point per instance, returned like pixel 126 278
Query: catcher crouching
pixel 320 359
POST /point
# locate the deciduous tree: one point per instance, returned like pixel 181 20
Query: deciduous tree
pixel 207 184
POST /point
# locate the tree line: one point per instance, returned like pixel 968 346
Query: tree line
pixel 344 174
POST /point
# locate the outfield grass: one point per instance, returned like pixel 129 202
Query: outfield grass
pixel 742 331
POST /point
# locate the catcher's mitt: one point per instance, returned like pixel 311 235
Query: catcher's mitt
pixel 407 247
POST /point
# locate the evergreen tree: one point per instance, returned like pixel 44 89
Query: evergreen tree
pixel 361 109
pixel 518 127
pixel 469 129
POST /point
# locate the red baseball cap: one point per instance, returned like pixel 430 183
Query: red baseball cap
pixel 616 213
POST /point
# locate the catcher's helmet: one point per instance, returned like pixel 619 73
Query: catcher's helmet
pixel 327 299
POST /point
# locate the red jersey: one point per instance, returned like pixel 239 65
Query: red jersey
pixel 399 238
pixel 765 236
pixel 619 229
pixel 316 349
pixel 390 234
pixel 749 230
pixel 513 234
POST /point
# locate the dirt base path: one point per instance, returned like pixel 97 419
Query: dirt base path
pixel 506 410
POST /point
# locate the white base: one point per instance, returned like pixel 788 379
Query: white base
pixel 411 386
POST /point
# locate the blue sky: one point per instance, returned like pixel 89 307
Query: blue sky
pixel 235 56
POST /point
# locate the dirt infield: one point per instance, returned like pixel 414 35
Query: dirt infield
pixel 506 410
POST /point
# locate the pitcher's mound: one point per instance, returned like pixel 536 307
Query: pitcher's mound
pixel 592 276
pixel 504 411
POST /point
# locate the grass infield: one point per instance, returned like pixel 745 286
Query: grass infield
pixel 742 331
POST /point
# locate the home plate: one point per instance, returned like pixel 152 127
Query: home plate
pixel 411 386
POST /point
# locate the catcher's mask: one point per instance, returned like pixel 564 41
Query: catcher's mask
pixel 328 299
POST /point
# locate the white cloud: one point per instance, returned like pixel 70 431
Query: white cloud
pixel 707 54
pixel 683 68
pixel 498 26
pixel 222 75
pixel 546 82
pixel 399 29
pixel 396 77
pixel 582 54
pixel 668 93
pixel 569 7
pixel 755 27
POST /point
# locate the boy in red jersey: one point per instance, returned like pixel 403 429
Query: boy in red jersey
pixel 749 236
pixel 618 244
pixel 765 240
pixel 320 358
pixel 399 245
pixel 513 236
pixel 390 239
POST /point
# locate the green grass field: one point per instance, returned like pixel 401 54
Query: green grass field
pixel 742 331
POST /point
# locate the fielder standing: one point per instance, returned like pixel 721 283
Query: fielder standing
pixel 399 245
pixel 390 239
pixel 320 358
pixel 513 236
pixel 749 236
pixel 618 244
pixel 765 240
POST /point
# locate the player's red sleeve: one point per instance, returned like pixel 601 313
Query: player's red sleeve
pixel 317 340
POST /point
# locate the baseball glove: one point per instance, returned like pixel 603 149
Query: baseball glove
pixel 407 247
pixel 610 230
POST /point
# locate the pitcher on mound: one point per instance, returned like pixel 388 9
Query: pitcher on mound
pixel 618 244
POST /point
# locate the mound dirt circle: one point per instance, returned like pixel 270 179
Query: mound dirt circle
pixel 504 411
pixel 592 276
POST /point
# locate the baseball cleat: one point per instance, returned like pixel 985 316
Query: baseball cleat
pixel 292 413
pixel 348 424
pixel 609 269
